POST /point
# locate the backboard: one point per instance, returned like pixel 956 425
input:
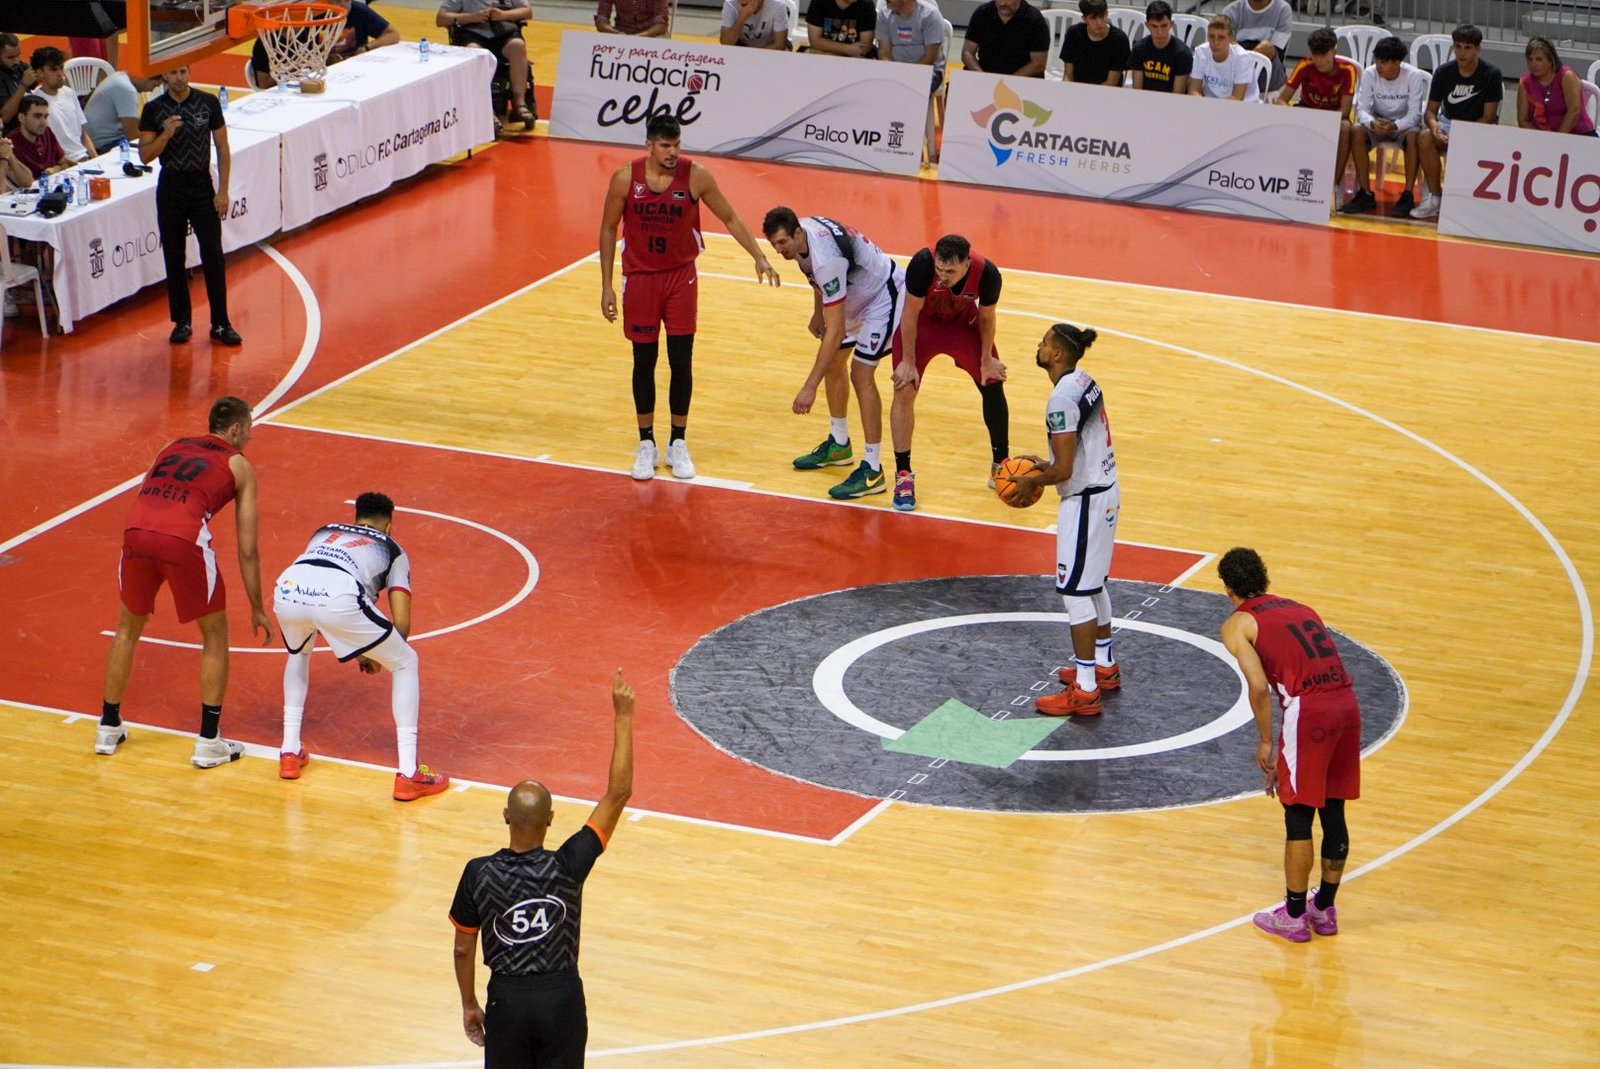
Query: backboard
pixel 164 34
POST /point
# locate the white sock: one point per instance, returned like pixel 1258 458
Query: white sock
pixel 405 698
pixel 1102 652
pixel 840 429
pixel 873 456
pixel 296 683
pixel 1086 680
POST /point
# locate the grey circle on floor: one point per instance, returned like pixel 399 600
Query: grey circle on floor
pixel 923 692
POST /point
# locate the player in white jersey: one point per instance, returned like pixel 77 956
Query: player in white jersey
pixel 858 294
pixel 1083 469
pixel 332 589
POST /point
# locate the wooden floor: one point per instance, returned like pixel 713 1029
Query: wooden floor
pixel 1404 427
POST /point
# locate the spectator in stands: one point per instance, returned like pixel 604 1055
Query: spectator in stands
pixel 636 18
pixel 1550 95
pixel 1094 51
pixel 1221 70
pixel 1160 62
pixel 912 31
pixel 112 113
pixel 35 145
pixel 841 27
pixel 1464 89
pixel 66 114
pixel 1390 102
pixel 363 30
pixel 496 25
pixel 16 78
pixel 1326 81
pixel 1007 37
pixel 1263 26
pixel 756 24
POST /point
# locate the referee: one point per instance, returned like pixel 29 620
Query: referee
pixel 527 902
pixel 179 126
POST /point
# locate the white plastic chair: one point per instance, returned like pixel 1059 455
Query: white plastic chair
pixel 85 72
pixel 1263 73
pixel 14 275
pixel 1430 51
pixel 1591 101
pixel 1059 19
pixel 1129 20
pixel 1594 69
pixel 250 77
pixel 1190 29
pixel 797 29
pixel 936 102
pixel 1359 41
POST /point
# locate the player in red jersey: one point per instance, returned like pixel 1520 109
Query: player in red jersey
pixel 167 540
pixel 656 199
pixel 951 296
pixel 1283 649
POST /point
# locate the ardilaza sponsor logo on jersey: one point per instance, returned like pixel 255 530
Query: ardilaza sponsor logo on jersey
pixel 675 78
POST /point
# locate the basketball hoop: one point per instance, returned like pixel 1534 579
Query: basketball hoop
pixel 298 38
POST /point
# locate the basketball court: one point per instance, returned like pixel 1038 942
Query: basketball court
pixel 852 843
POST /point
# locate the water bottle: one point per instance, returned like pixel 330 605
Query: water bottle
pixel 222 96
pixel 66 187
pixel 422 49
pixel 83 189
pixel 123 152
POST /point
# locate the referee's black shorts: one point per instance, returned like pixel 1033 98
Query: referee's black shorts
pixel 535 1022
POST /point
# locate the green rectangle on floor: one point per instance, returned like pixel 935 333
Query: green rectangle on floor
pixel 957 732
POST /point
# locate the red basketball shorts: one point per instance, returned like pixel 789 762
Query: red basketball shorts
pixel 150 559
pixel 957 340
pixel 656 297
pixel 1319 751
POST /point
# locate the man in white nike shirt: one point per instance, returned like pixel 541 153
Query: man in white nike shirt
pixel 1465 89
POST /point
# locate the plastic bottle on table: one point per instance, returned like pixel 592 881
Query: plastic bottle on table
pixel 422 49
pixel 222 96
pixel 83 189
pixel 66 187
pixel 122 152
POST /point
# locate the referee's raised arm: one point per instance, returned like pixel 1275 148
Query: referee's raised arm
pixel 619 786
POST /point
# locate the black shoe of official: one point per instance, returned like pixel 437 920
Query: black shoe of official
pixel 1403 205
pixel 226 335
pixel 181 332
pixel 1360 201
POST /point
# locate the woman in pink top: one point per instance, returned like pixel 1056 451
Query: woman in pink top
pixel 1550 96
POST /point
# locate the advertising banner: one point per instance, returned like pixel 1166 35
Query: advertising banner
pixel 318 137
pixel 754 102
pixel 1527 186
pixel 1254 160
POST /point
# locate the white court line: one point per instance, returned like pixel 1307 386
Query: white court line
pixel 270 753
pixel 302 360
pixel 1168 291
pixel 516 599
pixel 1189 572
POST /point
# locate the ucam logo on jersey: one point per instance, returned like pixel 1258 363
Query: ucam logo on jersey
pixel 1140 148
pixel 530 920
pixel 1510 184
pixel 755 102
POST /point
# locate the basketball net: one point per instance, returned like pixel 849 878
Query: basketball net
pixel 298 38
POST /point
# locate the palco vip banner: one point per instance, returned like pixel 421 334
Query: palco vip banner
pixel 825 110
pixel 1527 186
pixel 1254 160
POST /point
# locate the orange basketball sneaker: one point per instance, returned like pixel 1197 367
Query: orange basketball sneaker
pixel 424 783
pixel 290 764
pixel 1108 676
pixel 1070 702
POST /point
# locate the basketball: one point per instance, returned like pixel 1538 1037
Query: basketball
pixel 1006 487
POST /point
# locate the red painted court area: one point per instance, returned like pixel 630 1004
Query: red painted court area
pixel 628 574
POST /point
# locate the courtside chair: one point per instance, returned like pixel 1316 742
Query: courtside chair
pixel 14 276
pixel 250 77
pixel 1190 29
pixel 1059 19
pixel 1594 69
pixel 1430 50
pixel 936 102
pixel 797 29
pixel 1591 101
pixel 1129 20
pixel 1359 40
pixel 86 72
pixel 1263 74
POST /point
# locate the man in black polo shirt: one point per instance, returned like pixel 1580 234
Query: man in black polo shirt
pixel 180 126
pixel 527 901
pixel 1007 37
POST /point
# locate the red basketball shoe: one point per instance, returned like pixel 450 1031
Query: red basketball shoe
pixel 1070 702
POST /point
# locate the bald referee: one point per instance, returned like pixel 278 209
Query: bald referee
pixel 527 902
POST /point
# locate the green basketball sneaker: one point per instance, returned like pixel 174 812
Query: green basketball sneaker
pixel 862 481
pixel 829 454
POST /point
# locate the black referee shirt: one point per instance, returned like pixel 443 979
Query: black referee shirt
pixel 189 151
pixel 528 906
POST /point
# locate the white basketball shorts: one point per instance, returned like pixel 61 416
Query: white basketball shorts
pixel 1086 529
pixel 872 333
pixel 311 599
